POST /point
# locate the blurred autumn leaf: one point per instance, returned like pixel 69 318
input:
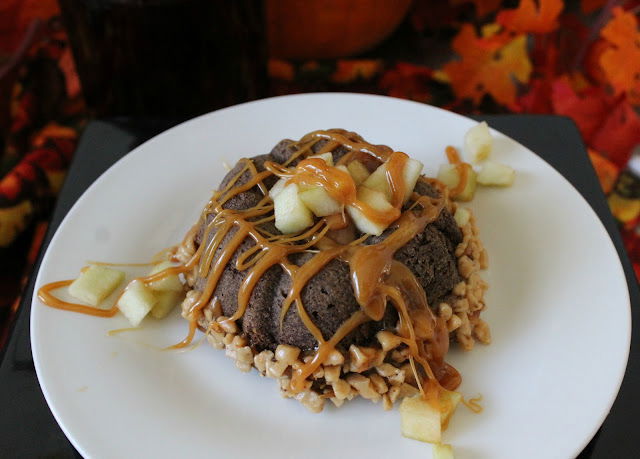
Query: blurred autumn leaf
pixel 530 17
pixel 15 17
pixel 483 7
pixel 489 64
pixel 620 61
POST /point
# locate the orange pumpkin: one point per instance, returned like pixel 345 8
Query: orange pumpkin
pixel 324 29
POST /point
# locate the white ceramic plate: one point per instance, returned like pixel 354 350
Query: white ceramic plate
pixel 558 306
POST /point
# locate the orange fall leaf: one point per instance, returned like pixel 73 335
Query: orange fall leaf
pixel 606 171
pixel 620 62
pixel 488 65
pixel 530 17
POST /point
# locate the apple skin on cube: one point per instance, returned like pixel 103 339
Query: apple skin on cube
pixel 171 282
pixel 167 301
pixel 421 421
pixel 376 200
pixel 327 157
pixel 136 302
pixel 378 181
pixel 95 284
pixel 462 216
pixel 449 175
pixel 358 171
pixel 478 142
pixel 277 188
pixel 496 174
pixel 410 174
pixel 291 214
pixel 319 201
pixel 442 451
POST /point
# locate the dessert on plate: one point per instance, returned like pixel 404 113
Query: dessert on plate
pixel 332 265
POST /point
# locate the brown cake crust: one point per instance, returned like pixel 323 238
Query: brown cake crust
pixel 328 297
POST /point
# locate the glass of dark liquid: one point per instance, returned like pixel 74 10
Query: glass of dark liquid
pixel 167 58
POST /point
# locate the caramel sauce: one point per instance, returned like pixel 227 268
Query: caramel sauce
pixel 45 295
pixel 377 278
pixel 464 169
pixel 474 404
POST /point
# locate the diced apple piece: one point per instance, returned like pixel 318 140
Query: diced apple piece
pixel 277 188
pixel 291 213
pixel 378 179
pixel 376 200
pixel 419 420
pixel 449 401
pixel 496 174
pixel 319 201
pixel 167 300
pixel 478 142
pixel 171 282
pixel 327 157
pixel 95 284
pixel 462 216
pixel 411 174
pixel 358 171
pixel 136 302
pixel 449 175
pixel 442 451
pixel 423 422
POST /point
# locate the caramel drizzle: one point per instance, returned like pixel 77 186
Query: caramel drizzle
pixel 464 169
pixel 376 277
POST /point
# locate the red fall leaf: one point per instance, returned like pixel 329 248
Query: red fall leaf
pixel 619 133
pixel 407 81
pixel 589 6
pixel 588 109
pixel 530 17
pixel 15 17
pixel 483 7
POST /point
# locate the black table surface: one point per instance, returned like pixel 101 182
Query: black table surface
pixel 27 427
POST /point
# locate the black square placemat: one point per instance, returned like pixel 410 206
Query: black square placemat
pixel 27 428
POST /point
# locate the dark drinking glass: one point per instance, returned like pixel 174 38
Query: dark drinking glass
pixel 167 58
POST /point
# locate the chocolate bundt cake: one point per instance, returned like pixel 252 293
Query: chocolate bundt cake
pixel 292 305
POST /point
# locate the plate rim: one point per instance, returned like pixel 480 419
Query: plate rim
pixel 117 164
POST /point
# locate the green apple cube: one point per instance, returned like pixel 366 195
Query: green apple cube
pixel 376 200
pixel 167 301
pixel 496 174
pixel 410 174
pixel 291 213
pixel 442 451
pixel 136 302
pixel 478 142
pixel 449 175
pixel 358 171
pixel 277 188
pixel 462 216
pixel 95 284
pixel 171 282
pixel 327 157
pixel 319 201
pixel 378 181
pixel 419 420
